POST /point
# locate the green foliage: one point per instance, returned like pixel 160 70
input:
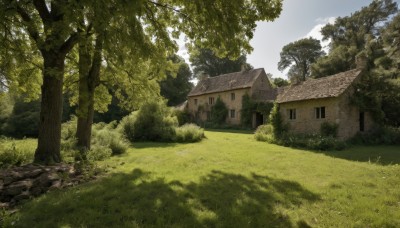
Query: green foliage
pixel 189 133
pixel 280 82
pixel 183 116
pixel 205 61
pixel 265 133
pixel 13 155
pixel 379 136
pixel 313 142
pixel 329 129
pixel 219 112
pixel 176 88
pixel 23 121
pixel 249 107
pixel 299 56
pixel 106 141
pixel 153 122
pixel 275 119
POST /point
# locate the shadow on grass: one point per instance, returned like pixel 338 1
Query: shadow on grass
pixel 381 155
pixel 141 145
pixel 219 199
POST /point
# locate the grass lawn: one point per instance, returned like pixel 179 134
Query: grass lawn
pixel 230 180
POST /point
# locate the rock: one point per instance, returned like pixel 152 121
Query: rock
pixel 56 185
pixel 8 180
pixel 46 179
pixel 36 191
pixel 23 196
pixel 4 205
pixel 17 187
pixel 33 173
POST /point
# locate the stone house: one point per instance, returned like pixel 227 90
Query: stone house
pixel 230 88
pixel 306 105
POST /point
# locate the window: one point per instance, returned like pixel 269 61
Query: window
pixel 211 100
pixel 292 114
pixel 195 101
pixel 232 96
pixel 320 112
pixel 233 113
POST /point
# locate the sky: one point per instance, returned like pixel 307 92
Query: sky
pixel 299 19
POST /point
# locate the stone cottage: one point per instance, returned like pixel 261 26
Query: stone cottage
pixel 230 88
pixel 306 105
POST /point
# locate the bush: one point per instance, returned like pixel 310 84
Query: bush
pixel 381 135
pixel 189 133
pixel 275 119
pixel 99 153
pixel 329 129
pixel 219 112
pixel 182 115
pixel 153 122
pixel 312 142
pixel 265 133
pixel 106 136
pixel 13 156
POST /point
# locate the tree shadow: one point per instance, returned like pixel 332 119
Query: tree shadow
pixel 381 155
pixel 135 200
pixel 143 145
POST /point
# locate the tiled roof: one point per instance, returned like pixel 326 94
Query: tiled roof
pixel 226 82
pixel 330 86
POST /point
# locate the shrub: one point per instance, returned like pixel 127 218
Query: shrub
pixel 275 119
pixel 11 156
pixel 219 112
pixel 329 129
pixel 312 142
pixel 99 153
pixel 189 133
pixel 127 126
pixel 153 122
pixel 182 115
pixel 265 133
pixel 107 136
pixel 381 135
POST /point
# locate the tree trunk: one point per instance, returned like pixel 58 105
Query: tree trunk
pixel 49 140
pixel 88 81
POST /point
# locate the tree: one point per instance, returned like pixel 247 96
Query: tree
pixel 53 27
pixel 299 55
pixel 349 36
pixel 280 82
pixel 206 61
pixel 176 88
pixel 49 26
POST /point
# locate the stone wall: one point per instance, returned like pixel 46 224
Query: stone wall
pixel 337 110
pixel 204 106
pixel 306 121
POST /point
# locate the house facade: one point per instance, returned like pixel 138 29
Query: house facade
pixel 306 105
pixel 230 88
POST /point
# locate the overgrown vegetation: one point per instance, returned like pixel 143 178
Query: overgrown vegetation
pixel 157 122
pixel 219 112
pixel 277 132
pixel 249 107
pixel 379 136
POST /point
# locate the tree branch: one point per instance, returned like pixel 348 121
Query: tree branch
pixel 69 44
pixel 44 13
pixel 166 6
pixel 32 30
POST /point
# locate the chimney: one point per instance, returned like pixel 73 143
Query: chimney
pixel 243 67
pixel 203 76
pixel 362 61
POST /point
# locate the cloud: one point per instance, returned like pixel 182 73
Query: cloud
pixel 315 32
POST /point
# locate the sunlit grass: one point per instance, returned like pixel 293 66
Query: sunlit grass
pixel 230 180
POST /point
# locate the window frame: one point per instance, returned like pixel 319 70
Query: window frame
pixel 195 101
pixel 232 111
pixel 233 96
pixel 320 112
pixel 292 114
pixel 211 100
